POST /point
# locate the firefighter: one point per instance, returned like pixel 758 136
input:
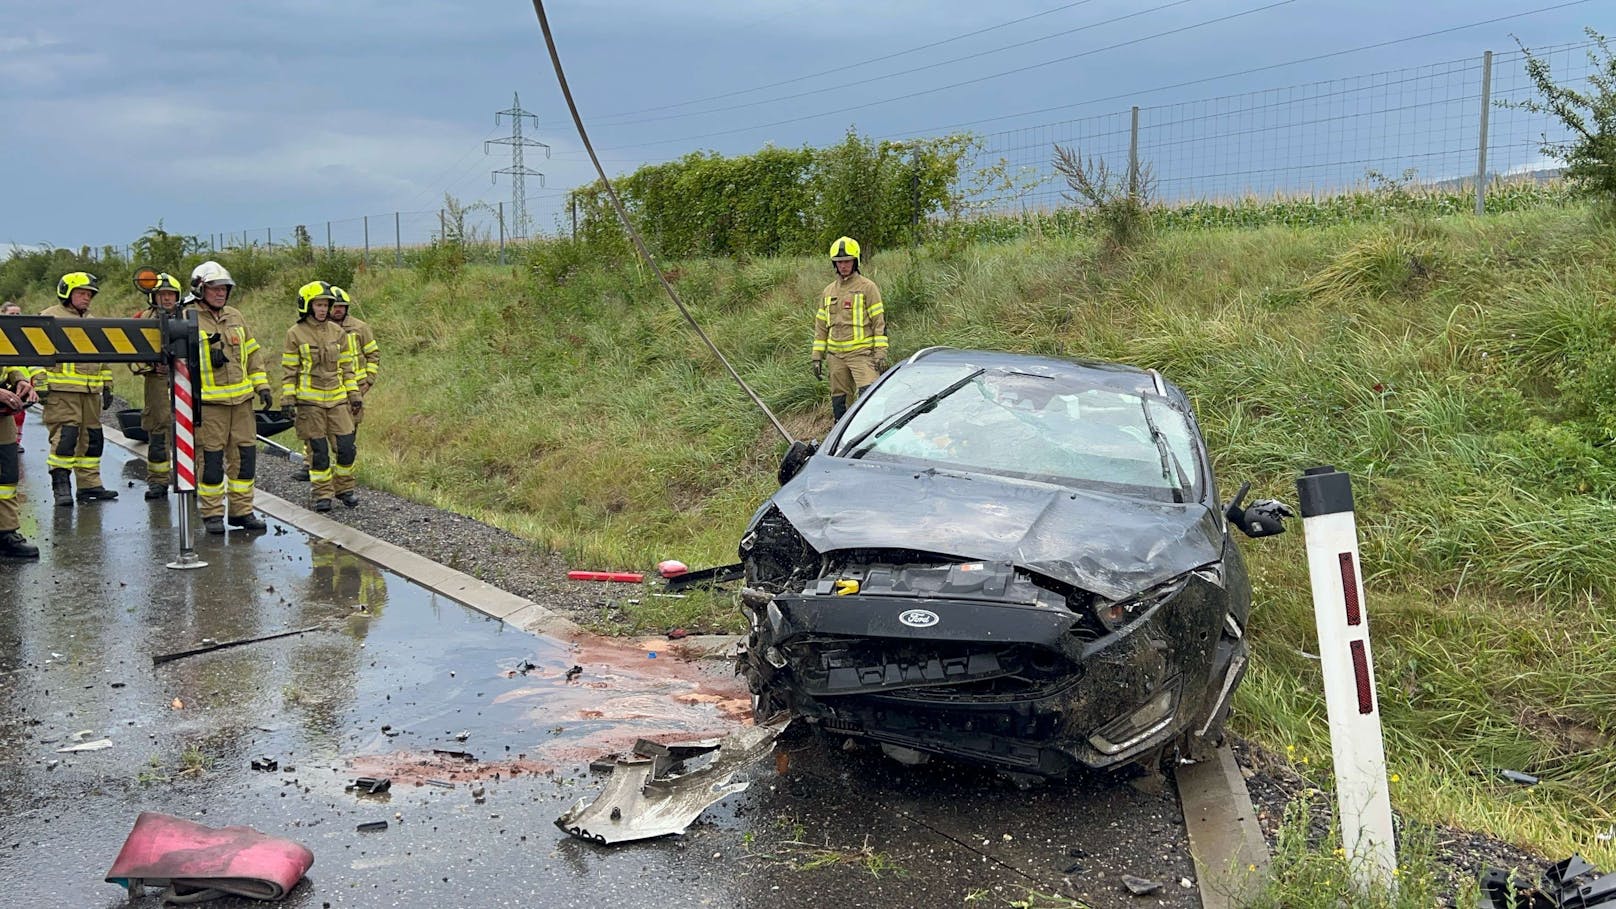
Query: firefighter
pixel 16 393
pixel 157 415
pixel 320 392
pixel 74 395
pixel 851 327
pixel 367 360
pixel 232 373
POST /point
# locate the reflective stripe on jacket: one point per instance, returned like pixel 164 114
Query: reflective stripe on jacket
pixel 242 371
pixel 317 366
pixel 367 355
pixel 851 317
pixel 77 378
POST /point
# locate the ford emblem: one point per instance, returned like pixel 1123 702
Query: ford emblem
pixel 918 618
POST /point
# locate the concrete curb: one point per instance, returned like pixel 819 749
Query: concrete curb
pixel 457 585
pixel 1231 855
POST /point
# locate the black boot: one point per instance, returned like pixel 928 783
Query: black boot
pixel 156 491
pixel 62 486
pixel 13 546
pixel 96 494
pixel 248 521
pixel 213 525
pixel 349 498
pixel 322 505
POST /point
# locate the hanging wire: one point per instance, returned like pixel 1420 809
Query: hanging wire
pixel 645 252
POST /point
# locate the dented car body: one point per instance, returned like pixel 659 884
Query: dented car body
pixel 1014 560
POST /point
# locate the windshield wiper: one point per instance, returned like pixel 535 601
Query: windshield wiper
pixel 1169 461
pixel 902 417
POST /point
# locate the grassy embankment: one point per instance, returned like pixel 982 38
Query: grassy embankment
pixel 1462 370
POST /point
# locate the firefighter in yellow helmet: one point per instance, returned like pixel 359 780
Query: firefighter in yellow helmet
pixel 75 395
pixel 157 414
pixel 16 393
pixel 367 358
pixel 850 327
pixel 232 372
pixel 320 392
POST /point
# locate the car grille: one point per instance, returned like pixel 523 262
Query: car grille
pixel 929 671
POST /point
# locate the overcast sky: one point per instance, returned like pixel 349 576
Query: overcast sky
pixel 223 116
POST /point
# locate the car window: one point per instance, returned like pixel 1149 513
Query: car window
pixel 1006 421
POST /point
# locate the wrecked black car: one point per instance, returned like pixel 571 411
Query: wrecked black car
pixel 1014 560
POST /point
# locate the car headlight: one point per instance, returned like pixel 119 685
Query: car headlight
pixel 1114 614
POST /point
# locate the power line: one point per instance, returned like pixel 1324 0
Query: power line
pixel 843 69
pixel 905 72
pixel 1134 93
pixel 928 91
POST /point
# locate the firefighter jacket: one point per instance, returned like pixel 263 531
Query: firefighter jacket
pixel 851 318
pixel 367 355
pixel 316 365
pixel 76 378
pixel 151 369
pixel 232 362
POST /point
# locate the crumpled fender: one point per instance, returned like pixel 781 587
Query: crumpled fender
pixel 186 856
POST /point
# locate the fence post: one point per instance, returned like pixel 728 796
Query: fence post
pixel 329 249
pixel 1481 146
pixel 443 228
pixel 502 233
pixel 573 202
pixel 269 237
pixel 367 241
pixel 398 243
pixel 1133 156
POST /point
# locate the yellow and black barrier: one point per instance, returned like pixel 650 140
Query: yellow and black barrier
pixel 43 341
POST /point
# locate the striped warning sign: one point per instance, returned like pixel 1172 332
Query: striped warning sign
pixel 42 340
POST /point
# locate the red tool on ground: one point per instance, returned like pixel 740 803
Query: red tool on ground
pixel 199 863
pixel 626 577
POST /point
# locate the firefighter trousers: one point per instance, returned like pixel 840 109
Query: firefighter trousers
pixel 328 431
pixel 8 474
pixel 227 427
pixel 74 421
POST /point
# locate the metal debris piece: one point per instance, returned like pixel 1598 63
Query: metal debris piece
pixel 371 826
pixel 639 802
pixel 265 763
pixel 1571 884
pixel 1139 886
pixel 370 785
pixel 1515 776
pixel 209 645
pixel 441 784
pixel 574 672
pixel 466 756
pixel 705 577
pixel 97 745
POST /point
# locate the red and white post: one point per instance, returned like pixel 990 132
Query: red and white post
pixel 1325 498
pixel 181 362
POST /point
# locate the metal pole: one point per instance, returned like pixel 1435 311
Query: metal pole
pixel 367 240
pixel 573 199
pixel 502 232
pixel 1133 156
pixel 398 243
pixel 269 237
pixel 443 228
pixel 328 247
pixel 1481 146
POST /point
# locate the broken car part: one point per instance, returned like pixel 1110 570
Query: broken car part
pixel 705 577
pixel 659 793
pixel 193 861
pixel 1571 884
pixel 160 659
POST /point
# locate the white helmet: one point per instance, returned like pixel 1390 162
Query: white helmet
pixel 210 272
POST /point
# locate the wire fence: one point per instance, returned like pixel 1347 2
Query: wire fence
pixel 1421 126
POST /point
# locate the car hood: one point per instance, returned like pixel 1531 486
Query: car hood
pixel 1107 544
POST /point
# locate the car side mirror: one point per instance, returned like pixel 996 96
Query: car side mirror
pixel 796 456
pixel 1262 518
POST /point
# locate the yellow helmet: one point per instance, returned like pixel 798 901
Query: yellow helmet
pixel 844 248
pixel 308 293
pixel 165 281
pixel 73 281
pixel 342 297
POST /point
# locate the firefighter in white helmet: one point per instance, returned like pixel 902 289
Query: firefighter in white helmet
pixel 232 372
pixel 850 327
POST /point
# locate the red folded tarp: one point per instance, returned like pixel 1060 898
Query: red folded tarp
pixel 197 863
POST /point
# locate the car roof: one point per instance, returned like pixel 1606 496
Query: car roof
pixel 1111 376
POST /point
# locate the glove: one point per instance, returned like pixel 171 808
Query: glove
pixel 106 397
pixel 819 370
pixel 881 362
pixel 216 350
pixel 356 405
pixel 266 399
pixel 41 395
pixel 289 410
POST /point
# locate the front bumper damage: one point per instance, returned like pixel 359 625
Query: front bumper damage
pixel 1032 686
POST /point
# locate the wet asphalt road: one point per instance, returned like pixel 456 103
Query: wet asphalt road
pixel 820 826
